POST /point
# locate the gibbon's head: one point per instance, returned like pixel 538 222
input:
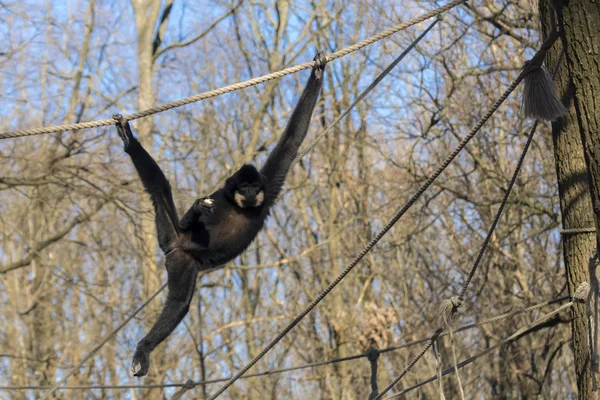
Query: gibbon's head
pixel 246 187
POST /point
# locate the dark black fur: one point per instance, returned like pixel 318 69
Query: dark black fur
pixel 215 229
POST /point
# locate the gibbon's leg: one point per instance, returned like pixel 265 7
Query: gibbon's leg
pixel 156 185
pixel 182 281
pixel 203 206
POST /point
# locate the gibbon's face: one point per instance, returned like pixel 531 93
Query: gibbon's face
pixel 249 194
pixel 248 187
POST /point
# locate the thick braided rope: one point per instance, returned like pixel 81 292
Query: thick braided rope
pixel 539 56
pixel 108 338
pixel 477 261
pixel 477 356
pixel 236 86
pixel 377 238
pixel 475 265
pixel 577 231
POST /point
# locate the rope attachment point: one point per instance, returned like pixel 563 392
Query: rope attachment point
pixel 540 100
pixel 189 385
pixel 449 308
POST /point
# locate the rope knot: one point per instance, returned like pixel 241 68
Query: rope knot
pixel 536 62
pixel 373 354
pixel 189 384
pixel 448 308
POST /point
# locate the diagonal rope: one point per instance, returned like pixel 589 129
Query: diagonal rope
pixel 492 229
pixel 411 364
pixel 456 302
pixel 235 86
pixel 377 238
pixel 470 360
pixel 101 344
pixel 192 384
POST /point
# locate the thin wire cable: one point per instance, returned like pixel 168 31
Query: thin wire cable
pixel 102 343
pixel 477 324
pixel 365 92
pixel 235 86
pixel 377 238
pixel 469 360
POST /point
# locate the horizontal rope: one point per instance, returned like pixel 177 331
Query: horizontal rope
pixel 192 384
pixel 235 86
pixel 576 231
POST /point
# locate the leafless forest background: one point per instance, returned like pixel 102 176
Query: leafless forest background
pixel 77 245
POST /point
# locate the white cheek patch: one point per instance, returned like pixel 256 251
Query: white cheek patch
pixel 260 197
pixel 239 199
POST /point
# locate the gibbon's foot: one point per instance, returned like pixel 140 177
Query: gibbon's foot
pixel 204 206
pixel 320 62
pixel 124 130
pixel 141 358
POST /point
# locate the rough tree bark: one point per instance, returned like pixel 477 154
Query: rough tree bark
pixel 149 33
pixel 575 203
pixel 578 80
pixel 580 21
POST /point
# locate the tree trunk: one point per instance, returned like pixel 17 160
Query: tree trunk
pixel 147 14
pixel 578 79
pixel 580 22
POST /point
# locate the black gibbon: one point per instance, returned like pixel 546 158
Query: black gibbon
pixel 219 227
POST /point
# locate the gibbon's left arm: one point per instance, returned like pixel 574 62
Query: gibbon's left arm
pixel 277 165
